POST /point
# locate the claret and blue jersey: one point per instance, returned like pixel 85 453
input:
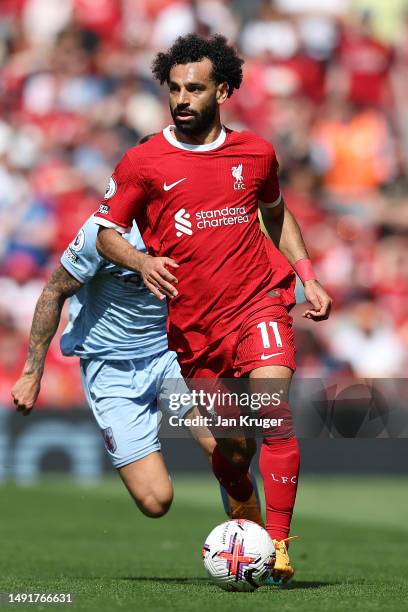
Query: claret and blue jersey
pixel 118 329
pixel 113 316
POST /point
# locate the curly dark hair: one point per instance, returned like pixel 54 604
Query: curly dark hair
pixel 227 66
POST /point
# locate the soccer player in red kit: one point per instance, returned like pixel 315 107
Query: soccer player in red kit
pixel 195 191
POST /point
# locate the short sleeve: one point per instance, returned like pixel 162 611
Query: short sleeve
pixel 124 197
pixel 270 190
pixel 81 258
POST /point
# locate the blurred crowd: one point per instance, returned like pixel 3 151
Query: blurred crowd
pixel 324 81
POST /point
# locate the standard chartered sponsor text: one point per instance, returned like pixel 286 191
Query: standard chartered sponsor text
pixel 224 217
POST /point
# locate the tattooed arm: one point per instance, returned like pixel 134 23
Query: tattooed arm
pixel 45 323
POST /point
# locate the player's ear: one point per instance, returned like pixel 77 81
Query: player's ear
pixel 222 92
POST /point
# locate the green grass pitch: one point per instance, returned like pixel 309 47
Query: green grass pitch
pixel 93 542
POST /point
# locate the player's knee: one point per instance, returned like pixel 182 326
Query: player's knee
pixel 155 503
pixel 242 452
pixel 154 508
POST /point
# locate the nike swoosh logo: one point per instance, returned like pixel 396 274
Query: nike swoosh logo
pixel 263 356
pixel 168 187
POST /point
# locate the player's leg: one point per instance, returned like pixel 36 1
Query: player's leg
pixel 279 458
pixel 122 397
pixel 231 463
pixel 279 466
pixel 246 503
pixel 231 456
pixel 233 453
pixel 239 490
pixel 228 457
pixel 148 482
pixel 172 385
pixel 266 351
pixel 201 435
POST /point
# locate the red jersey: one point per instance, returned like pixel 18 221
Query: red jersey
pixel 199 205
pixel 367 62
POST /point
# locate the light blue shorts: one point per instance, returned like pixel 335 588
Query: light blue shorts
pixel 124 398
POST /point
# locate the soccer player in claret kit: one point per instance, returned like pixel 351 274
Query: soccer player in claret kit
pixel 195 191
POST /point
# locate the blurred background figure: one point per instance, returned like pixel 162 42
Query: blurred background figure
pixel 324 80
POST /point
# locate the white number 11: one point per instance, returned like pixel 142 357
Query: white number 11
pixel 265 333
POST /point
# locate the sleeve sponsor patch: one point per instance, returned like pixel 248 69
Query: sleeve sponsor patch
pixel 78 243
pixel 104 209
pixel 70 255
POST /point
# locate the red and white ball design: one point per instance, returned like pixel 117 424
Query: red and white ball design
pixel 239 555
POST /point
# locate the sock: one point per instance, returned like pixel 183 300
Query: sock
pixel 279 467
pixel 234 479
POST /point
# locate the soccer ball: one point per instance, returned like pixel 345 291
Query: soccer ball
pixel 239 555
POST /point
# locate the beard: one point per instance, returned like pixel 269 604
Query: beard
pixel 199 123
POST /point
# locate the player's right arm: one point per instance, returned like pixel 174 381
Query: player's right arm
pixel 113 247
pixel 60 286
pixel 125 200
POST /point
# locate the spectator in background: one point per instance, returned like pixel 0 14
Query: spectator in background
pixel 75 91
pixel 364 64
pixel 390 277
pixel 288 71
pixel 353 151
pixel 364 337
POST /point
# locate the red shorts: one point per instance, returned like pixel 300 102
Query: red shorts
pixel 264 337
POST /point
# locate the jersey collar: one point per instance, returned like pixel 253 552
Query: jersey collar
pixel 167 133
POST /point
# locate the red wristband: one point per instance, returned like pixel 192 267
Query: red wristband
pixel 304 269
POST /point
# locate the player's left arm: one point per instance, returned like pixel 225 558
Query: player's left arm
pixel 285 233
pixel 47 315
